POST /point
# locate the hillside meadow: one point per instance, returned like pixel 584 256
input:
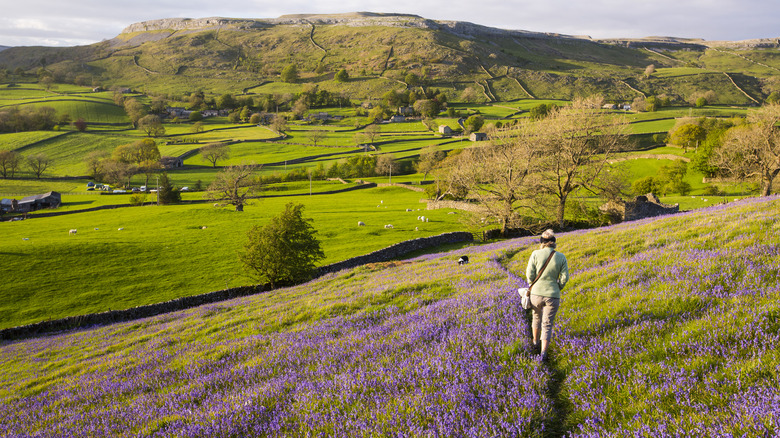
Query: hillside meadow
pixel 668 327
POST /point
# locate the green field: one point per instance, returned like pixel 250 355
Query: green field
pixel 163 253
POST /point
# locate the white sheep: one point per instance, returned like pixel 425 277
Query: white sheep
pixel 120 229
pixel 73 231
pixel 389 226
pixel 361 224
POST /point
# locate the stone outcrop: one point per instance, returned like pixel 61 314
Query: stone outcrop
pixel 641 207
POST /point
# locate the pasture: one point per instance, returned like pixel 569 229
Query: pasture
pixel 163 253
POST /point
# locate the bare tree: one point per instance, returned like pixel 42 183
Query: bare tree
pixel 386 165
pixel 38 164
pixel 234 185
pixel 317 135
pixel 278 123
pixel 214 152
pixel 649 70
pixel 575 145
pixel 9 163
pixel 430 157
pixel 497 175
pixel 372 132
pixel 753 150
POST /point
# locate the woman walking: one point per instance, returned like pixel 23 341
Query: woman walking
pixel 553 271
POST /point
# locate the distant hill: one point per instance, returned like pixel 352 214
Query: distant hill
pixel 220 55
pixel 3 48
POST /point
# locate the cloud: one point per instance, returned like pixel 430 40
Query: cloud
pixel 87 21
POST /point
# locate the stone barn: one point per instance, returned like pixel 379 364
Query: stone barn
pixel 641 207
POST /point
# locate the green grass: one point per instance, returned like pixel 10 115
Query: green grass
pixel 163 253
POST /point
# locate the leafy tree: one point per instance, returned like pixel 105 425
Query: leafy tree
pixel 158 105
pixel 342 76
pixel 9 163
pixel 285 250
pixel 142 154
pixel 701 102
pixel 474 123
pixel 540 111
pixel 427 108
pixel 38 164
pixel 290 74
pixel 196 127
pixel 412 80
pixel 214 152
pixel 196 116
pixel 80 124
pixel 671 176
pixel 226 101
pixel 752 151
pixel 255 119
pixel 234 185
pixel 688 135
pixel 166 193
pixel 646 185
pixel 135 110
pixel 774 97
pixel 152 125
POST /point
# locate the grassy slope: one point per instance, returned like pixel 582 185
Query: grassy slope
pixel 684 339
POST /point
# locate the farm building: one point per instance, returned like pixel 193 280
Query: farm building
pixel 397 119
pixel 478 136
pixel 6 205
pixel 445 130
pixel 171 162
pixel 38 202
pixel 641 207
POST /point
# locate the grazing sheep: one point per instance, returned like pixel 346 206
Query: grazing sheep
pixel 361 224
pixel 389 226
pixel 416 229
pixel 73 231
pixel 426 219
pixel 97 229
pixel 203 227
pixel 25 238
pixel 408 209
pixel 120 229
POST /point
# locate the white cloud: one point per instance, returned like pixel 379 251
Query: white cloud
pixel 87 21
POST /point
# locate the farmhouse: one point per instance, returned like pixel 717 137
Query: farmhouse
pixel 478 136
pixel 445 130
pixel 397 119
pixel 38 202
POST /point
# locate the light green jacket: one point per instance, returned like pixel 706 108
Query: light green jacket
pixel 554 277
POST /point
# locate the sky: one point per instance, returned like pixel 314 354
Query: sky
pixel 79 22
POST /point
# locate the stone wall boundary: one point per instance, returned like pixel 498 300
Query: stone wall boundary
pixel 113 316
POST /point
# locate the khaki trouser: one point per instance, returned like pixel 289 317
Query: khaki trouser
pixel 544 309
